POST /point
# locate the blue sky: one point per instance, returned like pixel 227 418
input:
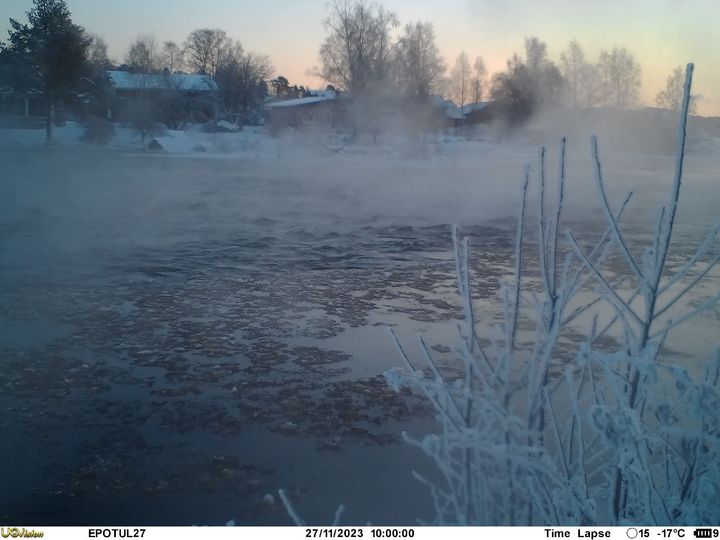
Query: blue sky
pixel 661 33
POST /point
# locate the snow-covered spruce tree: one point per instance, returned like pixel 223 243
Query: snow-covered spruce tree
pixel 615 435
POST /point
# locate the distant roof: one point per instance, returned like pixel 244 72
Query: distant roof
pixel 124 80
pixel 453 111
pixel 8 90
pixel 472 107
pixel 325 95
pixel 457 113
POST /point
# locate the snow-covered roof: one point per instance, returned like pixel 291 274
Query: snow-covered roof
pixel 8 91
pixel 472 107
pixel 124 80
pixel 458 113
pixel 326 95
pixel 455 112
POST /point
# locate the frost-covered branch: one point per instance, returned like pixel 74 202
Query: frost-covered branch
pixel 622 443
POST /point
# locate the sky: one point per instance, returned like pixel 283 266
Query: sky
pixel 662 34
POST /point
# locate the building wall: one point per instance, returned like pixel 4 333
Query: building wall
pixel 14 104
pixel 170 107
pixel 321 114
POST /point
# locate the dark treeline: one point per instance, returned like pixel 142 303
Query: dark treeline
pixel 52 57
pixel 360 55
pixel 366 53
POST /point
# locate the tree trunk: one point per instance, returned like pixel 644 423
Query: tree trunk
pixel 50 109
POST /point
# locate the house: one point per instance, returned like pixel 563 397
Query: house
pixel 481 112
pixel 323 108
pixel 470 114
pixel 189 96
pixel 21 109
pixel 384 114
pixel 126 82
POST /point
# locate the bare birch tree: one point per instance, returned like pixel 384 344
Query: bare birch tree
pixel 461 80
pixel 671 97
pixel 619 77
pixel 574 69
pixel 204 49
pixel 172 57
pixel 419 65
pixel 241 77
pixel 356 53
pixel 142 55
pixel 479 81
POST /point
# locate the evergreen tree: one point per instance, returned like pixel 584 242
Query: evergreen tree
pixel 47 55
pixel 527 84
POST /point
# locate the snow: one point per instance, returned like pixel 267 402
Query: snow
pixel 124 80
pixel 452 110
pixel 250 142
pixel 458 113
pixel 176 142
pixel 227 126
pixel 299 102
pixel 67 135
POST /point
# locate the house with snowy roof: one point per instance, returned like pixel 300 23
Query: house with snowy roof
pixel 189 96
pixel 481 112
pixel 469 114
pixel 126 82
pixel 319 108
pixel 21 109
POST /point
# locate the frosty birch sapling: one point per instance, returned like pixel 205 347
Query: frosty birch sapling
pixel 524 444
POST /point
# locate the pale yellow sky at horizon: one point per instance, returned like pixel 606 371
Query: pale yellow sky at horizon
pixel 662 34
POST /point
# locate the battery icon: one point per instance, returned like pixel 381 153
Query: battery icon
pixel 703 533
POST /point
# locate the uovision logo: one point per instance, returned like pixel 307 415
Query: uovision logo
pixel 16 532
